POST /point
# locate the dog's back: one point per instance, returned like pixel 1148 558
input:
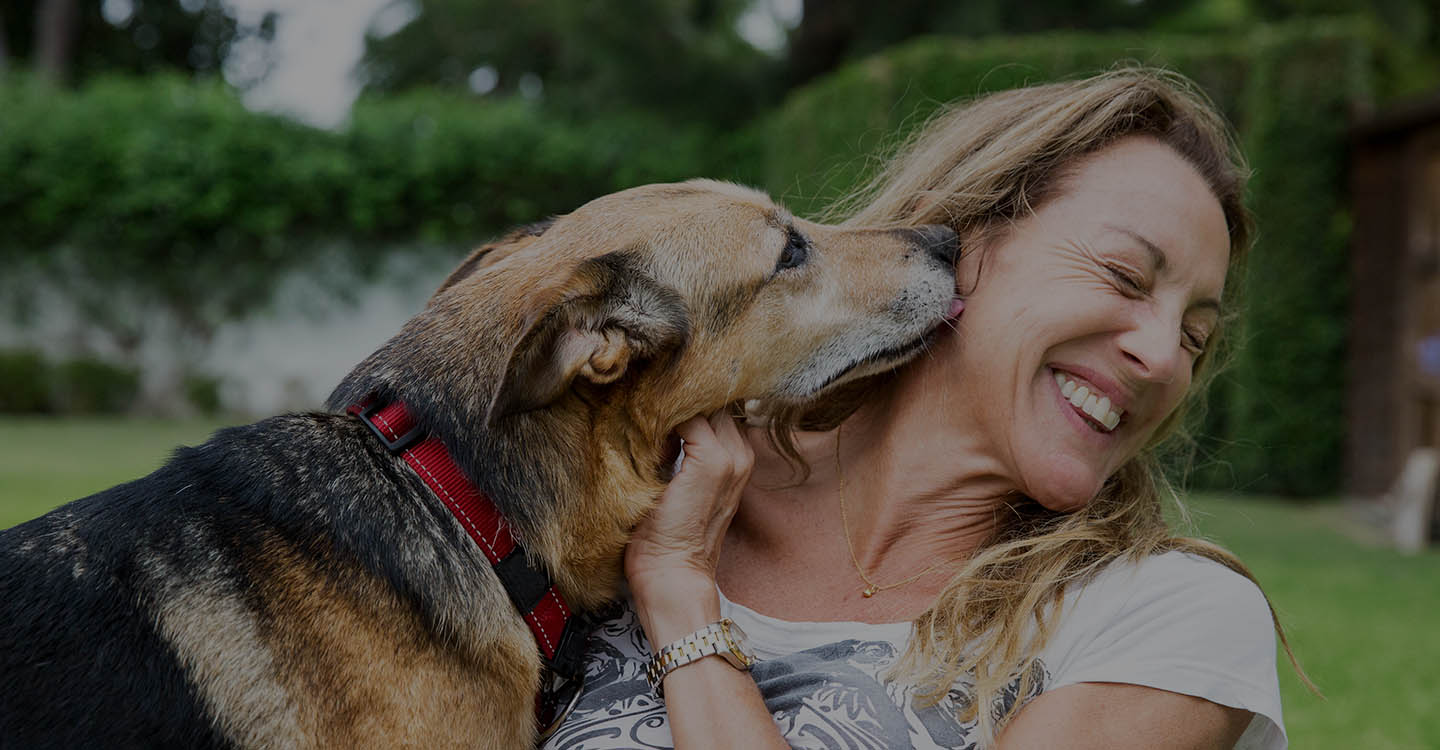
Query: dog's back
pixel 77 617
pixel 142 616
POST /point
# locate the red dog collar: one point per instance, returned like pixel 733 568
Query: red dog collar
pixel 559 634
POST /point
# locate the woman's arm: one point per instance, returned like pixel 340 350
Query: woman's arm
pixel 670 566
pixel 1112 716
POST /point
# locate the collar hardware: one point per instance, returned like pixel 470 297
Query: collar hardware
pixel 396 445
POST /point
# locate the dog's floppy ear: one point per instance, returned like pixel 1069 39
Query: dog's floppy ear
pixel 494 252
pixel 609 315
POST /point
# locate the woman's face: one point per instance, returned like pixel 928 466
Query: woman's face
pixel 1085 320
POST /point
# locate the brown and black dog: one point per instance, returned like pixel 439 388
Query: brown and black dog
pixel 293 583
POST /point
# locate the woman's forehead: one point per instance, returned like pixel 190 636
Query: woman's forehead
pixel 1142 193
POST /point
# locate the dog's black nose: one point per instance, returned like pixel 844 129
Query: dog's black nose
pixel 938 240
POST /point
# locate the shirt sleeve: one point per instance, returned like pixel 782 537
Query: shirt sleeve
pixel 1180 623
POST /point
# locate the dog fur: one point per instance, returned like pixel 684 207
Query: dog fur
pixel 292 584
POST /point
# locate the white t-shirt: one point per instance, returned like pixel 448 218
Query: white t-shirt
pixel 1173 621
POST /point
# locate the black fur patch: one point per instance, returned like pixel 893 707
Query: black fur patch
pixel 76 616
pixel 82 663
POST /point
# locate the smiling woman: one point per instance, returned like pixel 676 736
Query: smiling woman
pixel 996 571
pixel 1079 293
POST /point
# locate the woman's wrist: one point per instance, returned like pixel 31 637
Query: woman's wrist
pixel 673 603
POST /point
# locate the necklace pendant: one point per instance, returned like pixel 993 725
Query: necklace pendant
pixel 868 592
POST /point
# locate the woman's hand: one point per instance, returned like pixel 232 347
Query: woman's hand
pixel 670 563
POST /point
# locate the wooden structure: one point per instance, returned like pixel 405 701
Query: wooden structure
pixel 1393 373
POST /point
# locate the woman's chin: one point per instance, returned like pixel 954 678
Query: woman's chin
pixel 1063 488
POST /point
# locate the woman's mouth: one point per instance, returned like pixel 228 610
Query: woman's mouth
pixel 1094 406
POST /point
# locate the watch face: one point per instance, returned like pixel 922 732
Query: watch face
pixel 736 641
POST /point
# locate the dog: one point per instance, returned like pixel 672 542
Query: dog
pixel 299 583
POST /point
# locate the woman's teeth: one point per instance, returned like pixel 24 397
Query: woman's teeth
pixel 1096 406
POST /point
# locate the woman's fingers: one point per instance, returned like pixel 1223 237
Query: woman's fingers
pixel 697 429
pixel 670 562
pixel 727 433
pixel 687 526
pixel 715 451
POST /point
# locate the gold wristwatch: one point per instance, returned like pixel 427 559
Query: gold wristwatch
pixel 724 639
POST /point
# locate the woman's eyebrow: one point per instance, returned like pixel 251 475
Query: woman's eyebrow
pixel 1157 256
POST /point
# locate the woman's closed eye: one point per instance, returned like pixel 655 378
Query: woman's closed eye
pixel 1194 338
pixel 1131 284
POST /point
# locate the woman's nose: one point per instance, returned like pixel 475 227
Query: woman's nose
pixel 1153 347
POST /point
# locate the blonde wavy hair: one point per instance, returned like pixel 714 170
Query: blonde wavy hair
pixel 978 167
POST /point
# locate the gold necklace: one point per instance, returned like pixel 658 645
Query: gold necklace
pixel 871 587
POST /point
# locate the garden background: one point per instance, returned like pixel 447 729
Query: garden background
pixel 181 251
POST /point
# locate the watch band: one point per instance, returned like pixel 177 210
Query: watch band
pixel 724 639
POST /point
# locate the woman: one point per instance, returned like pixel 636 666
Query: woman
pixel 976 554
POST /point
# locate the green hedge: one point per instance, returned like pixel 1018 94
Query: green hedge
pixel 155 165
pixel 24 383
pixel 172 190
pixel 1276 418
pixel 831 136
pixel 1285 399
pixel 29 384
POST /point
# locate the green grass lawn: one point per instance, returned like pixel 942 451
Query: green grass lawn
pixel 47 462
pixel 1364 620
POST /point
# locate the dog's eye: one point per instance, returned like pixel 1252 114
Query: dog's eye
pixel 796 252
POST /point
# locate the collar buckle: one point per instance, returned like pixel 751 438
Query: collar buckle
pixel 396 445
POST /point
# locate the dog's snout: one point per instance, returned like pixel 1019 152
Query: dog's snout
pixel 940 241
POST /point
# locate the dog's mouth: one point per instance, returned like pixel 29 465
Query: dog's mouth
pixel 878 362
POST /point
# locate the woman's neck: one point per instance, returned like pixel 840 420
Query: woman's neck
pixel 917 490
pixel 913 478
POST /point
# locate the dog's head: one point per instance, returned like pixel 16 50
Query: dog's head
pixel 678 299
pixel 555 362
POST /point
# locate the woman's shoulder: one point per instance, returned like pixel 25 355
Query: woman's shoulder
pixel 1176 601
pixel 1169 575
pixel 1174 621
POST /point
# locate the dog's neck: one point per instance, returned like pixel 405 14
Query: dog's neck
pixel 571 480
pixel 609 466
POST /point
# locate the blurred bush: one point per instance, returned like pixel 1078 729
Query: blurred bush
pixel 24 382
pixel 92 386
pixel 203 393
pixel 84 385
pixel 173 191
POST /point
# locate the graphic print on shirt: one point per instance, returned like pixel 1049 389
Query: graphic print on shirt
pixel 830 696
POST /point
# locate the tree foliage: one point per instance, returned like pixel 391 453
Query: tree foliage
pixel 682 57
pixel 170 192
pixel 156 35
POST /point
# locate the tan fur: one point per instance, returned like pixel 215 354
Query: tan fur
pixel 366 674
pixel 225 653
